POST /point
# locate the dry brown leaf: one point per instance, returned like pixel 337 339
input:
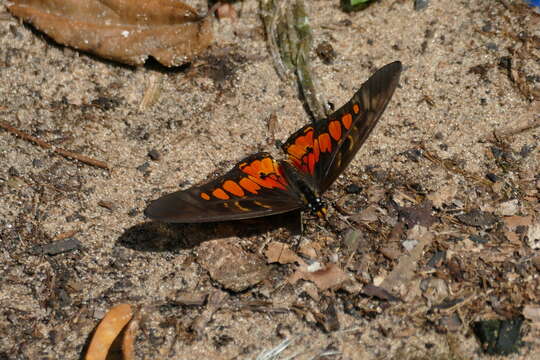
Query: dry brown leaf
pixel 108 329
pixel 121 30
pixel 331 276
pixel 369 214
pixel 280 252
pixel 513 222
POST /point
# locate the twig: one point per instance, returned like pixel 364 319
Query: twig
pixel 509 131
pixel 45 145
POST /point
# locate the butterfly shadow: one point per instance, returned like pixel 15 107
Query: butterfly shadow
pixel 155 236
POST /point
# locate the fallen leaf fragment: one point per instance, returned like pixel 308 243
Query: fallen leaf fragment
pixel 107 331
pixel 282 253
pixel 328 277
pixel 513 222
pixel 124 31
pixel 532 312
pixel 378 292
pixel 533 236
pixel 403 272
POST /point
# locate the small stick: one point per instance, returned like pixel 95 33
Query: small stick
pixel 45 145
pixel 510 131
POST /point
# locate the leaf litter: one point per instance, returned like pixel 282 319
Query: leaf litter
pixel 124 31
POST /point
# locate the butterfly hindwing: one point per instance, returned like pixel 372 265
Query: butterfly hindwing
pixel 255 187
pixel 323 150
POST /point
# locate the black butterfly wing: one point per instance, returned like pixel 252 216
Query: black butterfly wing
pixel 255 187
pixel 323 150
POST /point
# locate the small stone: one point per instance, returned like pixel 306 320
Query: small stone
pixel 497 153
pixel 409 244
pixel 133 212
pixel 326 52
pixel 143 167
pixel 478 239
pixel 12 171
pixel 154 155
pixel 420 4
pixel 58 247
pixel 492 177
pixel 353 189
pixel 499 337
pixel 231 266
pixel 526 150
pixel 478 218
pixel 492 46
pixel 509 208
pixel 505 62
pixel 413 154
pixel 37 163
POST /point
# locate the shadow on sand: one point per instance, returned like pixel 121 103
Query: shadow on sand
pixel 156 236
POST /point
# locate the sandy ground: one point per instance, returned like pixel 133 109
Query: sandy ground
pixel 452 97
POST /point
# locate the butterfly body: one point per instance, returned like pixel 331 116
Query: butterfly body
pixel 316 154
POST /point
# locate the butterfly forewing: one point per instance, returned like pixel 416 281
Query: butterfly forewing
pixel 255 187
pixel 323 150
pixel 260 186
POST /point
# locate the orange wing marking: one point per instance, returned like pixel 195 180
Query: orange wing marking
pixel 301 144
pixel 356 108
pixel 346 120
pixel 233 188
pixel 325 144
pixel 265 173
pixel 205 196
pixel 258 203
pixel 304 153
pixel 249 185
pixel 335 129
pixel 240 207
pixel 220 194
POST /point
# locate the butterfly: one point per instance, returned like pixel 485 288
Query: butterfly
pixel 317 154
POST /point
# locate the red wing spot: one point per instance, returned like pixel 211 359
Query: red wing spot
pixel 325 144
pixel 264 173
pixel 249 185
pixel 316 150
pixel 220 194
pixel 346 120
pixel 311 163
pixel 335 129
pixel 301 144
pixel 356 108
pixel 205 196
pixel 233 188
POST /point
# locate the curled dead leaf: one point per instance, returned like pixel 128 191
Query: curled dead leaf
pixel 108 330
pixel 280 252
pixel 124 31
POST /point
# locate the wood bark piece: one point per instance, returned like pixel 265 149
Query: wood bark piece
pixel 127 31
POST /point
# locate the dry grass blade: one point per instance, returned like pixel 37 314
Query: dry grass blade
pixel 289 40
pixel 123 31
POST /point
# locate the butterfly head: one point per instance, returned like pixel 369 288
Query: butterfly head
pixel 317 206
